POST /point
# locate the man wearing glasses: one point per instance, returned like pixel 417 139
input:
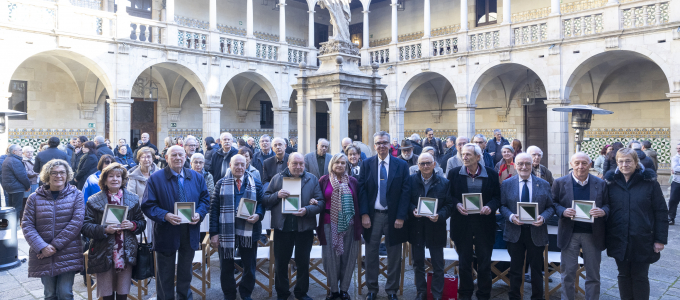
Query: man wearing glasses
pixel 384 189
pixel 190 146
pixel 487 159
pixel 457 160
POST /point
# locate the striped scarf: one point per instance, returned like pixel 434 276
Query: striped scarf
pixel 230 226
pixel 342 211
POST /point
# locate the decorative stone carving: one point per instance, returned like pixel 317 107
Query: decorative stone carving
pixel 425 66
pixel 504 56
pixel 284 69
pixel 554 49
pixel 461 99
pixel 436 115
pixel 242 114
pixel 123 48
pixel 123 93
pixel 173 55
pixel 173 113
pixel 87 110
pixel 461 61
pixel 611 43
pixel 334 46
pixel 502 118
pixel 375 67
pixel 252 65
pixel 554 93
pixel 341 15
pixel 215 60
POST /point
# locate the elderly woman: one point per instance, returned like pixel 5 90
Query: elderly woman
pixel 599 161
pixel 91 187
pixel 637 225
pixel 197 164
pixel 506 167
pixel 138 177
pixel 394 148
pixel 113 248
pixel 339 228
pixel 29 162
pixel 124 158
pixel 354 161
pixel 437 169
pixel 87 165
pixel 51 225
pixel 248 154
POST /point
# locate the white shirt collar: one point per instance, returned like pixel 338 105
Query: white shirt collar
pixel 522 180
pixel 581 183
pixel 386 160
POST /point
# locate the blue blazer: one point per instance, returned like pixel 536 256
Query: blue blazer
pixel 159 199
pixel 541 194
pixel 398 193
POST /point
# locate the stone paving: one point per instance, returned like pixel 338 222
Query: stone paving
pixel 664 277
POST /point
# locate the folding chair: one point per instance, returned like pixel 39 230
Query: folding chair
pixel 91 287
pixel 315 260
pixel 383 266
pixel 450 254
pixel 551 266
pixel 265 255
pixel 199 267
pixel 500 255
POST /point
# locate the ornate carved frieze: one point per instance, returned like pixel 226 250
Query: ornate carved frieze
pixel 334 46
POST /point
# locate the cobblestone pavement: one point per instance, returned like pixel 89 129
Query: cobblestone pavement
pixel 664 276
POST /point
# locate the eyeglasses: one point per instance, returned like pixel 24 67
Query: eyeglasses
pixel 479 142
pixel 425 163
pixel 58 174
pixel 191 145
pixel 382 143
pixel 524 164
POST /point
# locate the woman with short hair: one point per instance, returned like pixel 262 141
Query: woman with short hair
pixel 599 161
pixel 51 226
pixel 113 248
pixel 198 164
pixel 29 162
pixel 248 154
pixel 138 177
pixel 353 161
pixel 506 167
pixel 87 165
pixel 637 224
pixel 124 158
pixel 610 162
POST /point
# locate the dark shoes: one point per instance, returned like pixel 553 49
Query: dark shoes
pixel 421 296
pixel 305 298
pixel 371 296
pixel 392 297
pixel 671 222
pixel 345 296
pixel 332 296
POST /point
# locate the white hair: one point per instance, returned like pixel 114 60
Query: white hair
pixel 580 153
pixel 467 140
pixel 225 134
pixel 635 145
pixel 197 155
pixel 509 148
pixel 415 137
pixel 480 136
pixel 478 150
pixel 523 155
pixel 425 155
pixel 27 149
pixel 428 148
pixel 535 148
pixel 381 134
pixel 190 137
pixel 99 139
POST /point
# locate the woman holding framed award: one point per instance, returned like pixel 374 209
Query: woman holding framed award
pixel 113 218
pixel 637 225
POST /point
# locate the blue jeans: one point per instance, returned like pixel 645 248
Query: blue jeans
pixel 59 287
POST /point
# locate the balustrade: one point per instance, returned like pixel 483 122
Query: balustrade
pixel 445 47
pixel 645 15
pixel 484 41
pixel 380 56
pixel 90 4
pixel 266 51
pixel 232 46
pixel 530 34
pixel 297 56
pixel 192 40
pixel 410 52
pixel 583 25
pixel 32 14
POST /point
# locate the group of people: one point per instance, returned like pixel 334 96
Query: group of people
pixel 345 199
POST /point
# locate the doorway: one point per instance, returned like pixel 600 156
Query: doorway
pixel 321 126
pixel 354 130
pixel 320 34
pixel 535 126
pixel 143 120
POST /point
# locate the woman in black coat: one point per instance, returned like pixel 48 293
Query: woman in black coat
pixel 610 160
pixel 637 225
pixel 87 165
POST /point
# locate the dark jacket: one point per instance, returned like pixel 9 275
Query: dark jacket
pixel 354 188
pixel 645 160
pixel 216 200
pixel 102 150
pixel 125 160
pixel 86 167
pixel 436 144
pixel 398 193
pixel 216 162
pixel 638 216
pixel 488 159
pixel 417 148
pixel 541 194
pixel 447 154
pixel 609 165
pixel 269 169
pixel 491 197
pixel 101 244
pixel 129 151
pixel 150 145
pixel 563 197
pixel 14 177
pixel 75 159
pixel 69 150
pixel 258 161
pixel 546 175
pixel 159 199
pixel 413 161
pixel 422 231
pixel 491 147
pixel 2 160
pixel 46 155
pixel 310 189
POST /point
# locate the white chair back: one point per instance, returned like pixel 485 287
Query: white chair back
pixel 267 221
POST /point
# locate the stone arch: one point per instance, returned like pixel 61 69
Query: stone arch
pixel 495 70
pixel 416 81
pixel 260 79
pixel 187 71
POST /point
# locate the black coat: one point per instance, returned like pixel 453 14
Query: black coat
pixel 447 154
pixel 638 216
pixel 103 150
pixel 46 155
pixel 422 231
pixel 258 161
pixel 645 160
pixel 75 159
pixel 14 177
pixel 413 161
pixel 269 169
pixel 150 145
pixel 69 150
pixel 216 160
pixel 86 167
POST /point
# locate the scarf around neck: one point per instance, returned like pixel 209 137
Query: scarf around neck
pixel 230 226
pixel 342 210
pixel 119 246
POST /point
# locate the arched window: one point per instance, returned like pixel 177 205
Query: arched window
pixel 487 12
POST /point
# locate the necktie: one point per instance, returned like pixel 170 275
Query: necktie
pixel 238 184
pixel 525 191
pixel 180 188
pixel 383 184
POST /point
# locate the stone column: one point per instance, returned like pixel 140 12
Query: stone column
pixel 249 18
pixel 4 136
pixel 366 42
pixel 120 118
pixel 466 120
pixel 507 13
pixel 395 32
pixel 281 121
pixel 558 138
pixel 214 39
pixel 310 35
pixel 396 122
pixel 555 8
pixel 211 120
pixel 213 15
pixel 306 121
pixel 339 121
pixel 675 120
pixel 368 122
pixel 427 26
pixel 282 23
pixel 123 28
pixel 464 26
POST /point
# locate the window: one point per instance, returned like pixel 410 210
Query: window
pixel 138 8
pixel 266 115
pixel 487 12
pixel 19 96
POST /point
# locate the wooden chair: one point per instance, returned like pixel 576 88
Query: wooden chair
pixel 141 288
pixel 315 260
pixel 383 266
pixel 551 266
pixel 450 254
pixel 265 255
pixel 199 267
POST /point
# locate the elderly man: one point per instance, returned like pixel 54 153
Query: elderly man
pixel 222 157
pixel 537 168
pixel 276 164
pixel 451 151
pixel 145 142
pixel 384 191
pixel 51 153
pixel 264 152
pixel 433 142
pixel 250 143
pixel 572 236
pixel 480 140
pixel 437 170
pixel 646 161
pixel 525 240
pixel 346 142
pixel 15 179
pixel 294 231
pixel 102 149
pixel 71 147
pixel 457 160
pixel 426 231
pixel 173 239
pixel 651 153
pixel 474 234
pixel 317 162
pixel 494 146
pixel 415 140
pixel 407 154
pixel 190 146
pixel 228 233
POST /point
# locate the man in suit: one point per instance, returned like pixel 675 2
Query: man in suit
pixel 317 162
pixel 474 234
pixel 525 240
pixel 276 164
pixel 573 236
pixel 538 169
pixel 495 145
pixel 384 190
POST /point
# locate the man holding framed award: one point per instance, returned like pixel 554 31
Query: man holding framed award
pixel 581 202
pixel 430 206
pixel 475 192
pixel 523 198
pixel 293 230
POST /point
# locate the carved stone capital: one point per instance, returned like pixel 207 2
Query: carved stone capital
pixel 242 114
pixel 611 43
pixel 123 48
pixel 173 113
pixel 504 56
pixel 87 110
pixel 436 115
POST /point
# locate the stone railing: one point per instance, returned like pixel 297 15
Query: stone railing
pixel 409 52
pixel 192 23
pixel 192 39
pixel 380 42
pixel 145 30
pixel 232 46
pixel 529 34
pixel 30 13
pixel 445 46
pixel 226 29
pixel 380 56
pixel 582 25
pixel 90 22
pixel 538 13
pixel 644 15
pixel 565 8
pixel 410 36
pixel 445 30
pixel 297 55
pixel 484 40
pixel 266 51
pixel 90 4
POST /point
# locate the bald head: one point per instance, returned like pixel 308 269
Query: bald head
pixel 238 165
pixel 346 142
pixel 296 164
pixel 175 158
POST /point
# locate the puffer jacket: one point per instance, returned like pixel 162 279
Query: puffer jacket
pixel 54 222
pixel 14 177
pixel 101 244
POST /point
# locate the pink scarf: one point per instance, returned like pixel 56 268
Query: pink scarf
pixel 118 247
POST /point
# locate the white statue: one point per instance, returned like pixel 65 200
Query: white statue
pixel 340 18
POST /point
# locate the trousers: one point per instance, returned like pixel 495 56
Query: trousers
pixel 58 287
pixel 286 241
pixel 633 280
pixel 381 226
pixel 227 280
pixel 165 266
pixel 525 248
pixel 569 264
pixel 437 259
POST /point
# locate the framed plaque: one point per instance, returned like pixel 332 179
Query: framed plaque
pixel 246 208
pixel 582 208
pixel 427 207
pixel 293 185
pixel 291 204
pixel 185 210
pixel 114 214
pixel 473 203
pixel 527 212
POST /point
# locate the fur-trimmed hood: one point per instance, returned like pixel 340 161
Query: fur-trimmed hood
pixel 647 174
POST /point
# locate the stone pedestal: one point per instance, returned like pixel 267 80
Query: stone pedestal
pixel 120 114
pixel 211 120
pixel 466 120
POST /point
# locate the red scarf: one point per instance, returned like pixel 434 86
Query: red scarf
pixel 119 246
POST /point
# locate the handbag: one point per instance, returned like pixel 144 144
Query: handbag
pixel 450 291
pixel 145 263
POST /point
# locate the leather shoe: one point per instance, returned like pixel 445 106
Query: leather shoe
pixel 332 296
pixel 421 296
pixel 345 296
pixel 392 297
pixel 371 296
pixel 671 222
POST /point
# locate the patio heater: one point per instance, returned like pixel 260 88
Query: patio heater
pixel 581 116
